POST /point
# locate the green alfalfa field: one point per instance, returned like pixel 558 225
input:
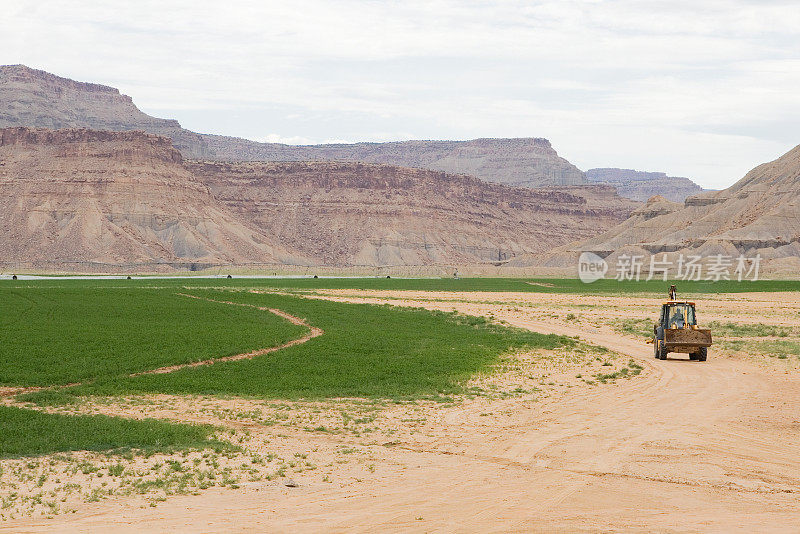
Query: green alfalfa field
pixel 84 338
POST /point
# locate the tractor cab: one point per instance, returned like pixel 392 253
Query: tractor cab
pixel 678 315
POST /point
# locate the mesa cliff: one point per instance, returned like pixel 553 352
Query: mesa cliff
pixel 525 162
pixel 36 98
pixel 370 214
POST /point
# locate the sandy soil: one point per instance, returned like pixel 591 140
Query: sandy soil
pixel 684 446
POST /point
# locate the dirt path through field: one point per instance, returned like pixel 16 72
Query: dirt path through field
pixel 684 447
pixel 313 332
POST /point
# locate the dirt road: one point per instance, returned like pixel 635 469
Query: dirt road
pixel 684 447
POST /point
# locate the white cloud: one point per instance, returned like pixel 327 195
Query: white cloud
pixel 704 89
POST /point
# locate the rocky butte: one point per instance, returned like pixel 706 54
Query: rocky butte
pixel 640 185
pixel 758 215
pixel 81 195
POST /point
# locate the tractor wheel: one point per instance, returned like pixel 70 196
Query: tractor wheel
pixel 655 348
pixel 703 354
pixel 660 350
pixel 694 355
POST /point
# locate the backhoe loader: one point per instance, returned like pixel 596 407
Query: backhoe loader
pixel 677 330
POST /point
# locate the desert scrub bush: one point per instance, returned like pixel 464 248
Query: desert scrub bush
pixel 632 369
pixel 749 330
pixel 778 348
pixel 634 327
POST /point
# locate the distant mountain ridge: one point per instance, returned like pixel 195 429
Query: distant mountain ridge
pixel 75 196
pixel 35 98
pixel 641 185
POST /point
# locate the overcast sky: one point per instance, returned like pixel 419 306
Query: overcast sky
pixel 705 92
